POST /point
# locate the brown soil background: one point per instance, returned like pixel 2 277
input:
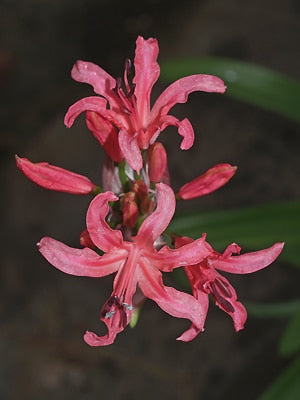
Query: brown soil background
pixel 44 312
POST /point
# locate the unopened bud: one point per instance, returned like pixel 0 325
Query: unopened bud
pixel 85 240
pixel 211 180
pixel 157 162
pixel 130 210
pixel 55 178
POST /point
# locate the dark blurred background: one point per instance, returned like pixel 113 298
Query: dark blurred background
pixel 43 312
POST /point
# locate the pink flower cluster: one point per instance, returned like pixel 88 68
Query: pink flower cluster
pixel 128 216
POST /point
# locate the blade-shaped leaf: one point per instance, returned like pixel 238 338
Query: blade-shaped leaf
pixel 277 310
pixel 290 341
pixel 252 228
pixel 245 81
pixel 287 386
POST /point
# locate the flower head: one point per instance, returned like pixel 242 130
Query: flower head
pixel 122 119
pixel 204 280
pixel 135 260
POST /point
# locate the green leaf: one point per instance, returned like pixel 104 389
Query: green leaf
pixel 252 228
pixel 278 310
pixel 290 341
pixel 287 386
pixel 247 82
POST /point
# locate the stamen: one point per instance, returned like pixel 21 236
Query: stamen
pixel 128 65
pixel 127 71
pixel 125 110
pixel 109 314
pixel 118 85
pixel 128 306
pixel 223 287
pixel 131 91
pixel 228 307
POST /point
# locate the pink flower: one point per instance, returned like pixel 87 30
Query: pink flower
pixel 55 178
pixel 129 124
pixel 136 262
pixel 205 280
pixel 211 180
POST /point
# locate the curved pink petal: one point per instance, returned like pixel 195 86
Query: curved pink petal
pixel 102 235
pixel 248 262
pixel 192 253
pixel 92 103
pixel 106 134
pixel 90 73
pixel 146 74
pixel 55 178
pixel 239 316
pixel 193 331
pixel 155 224
pixel 184 127
pixel 179 90
pixel 117 310
pixel 80 262
pixel 116 317
pixel 172 301
pixel 186 130
pixel 130 148
pixel 211 180
pixel 224 295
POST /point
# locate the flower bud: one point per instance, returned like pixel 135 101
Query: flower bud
pixel 85 240
pixel 208 182
pixel 130 210
pixel 157 162
pixel 55 178
pixel 106 135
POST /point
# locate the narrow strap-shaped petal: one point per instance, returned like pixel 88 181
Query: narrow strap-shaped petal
pixel 211 180
pixel 155 224
pixel 179 90
pixel 102 235
pixel 248 262
pixel 130 148
pixel 172 301
pixel 90 73
pixel 106 134
pixel 193 331
pixel 146 74
pixel 192 253
pixel 92 103
pixel 80 262
pixel 55 178
pixel 117 310
pixel 184 127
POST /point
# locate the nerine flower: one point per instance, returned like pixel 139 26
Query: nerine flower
pixel 205 279
pixel 135 260
pixel 122 119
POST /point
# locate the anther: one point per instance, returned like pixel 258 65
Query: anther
pixel 228 307
pixel 109 314
pixel 128 306
pixel 118 85
pixel 223 288
pixel 128 65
